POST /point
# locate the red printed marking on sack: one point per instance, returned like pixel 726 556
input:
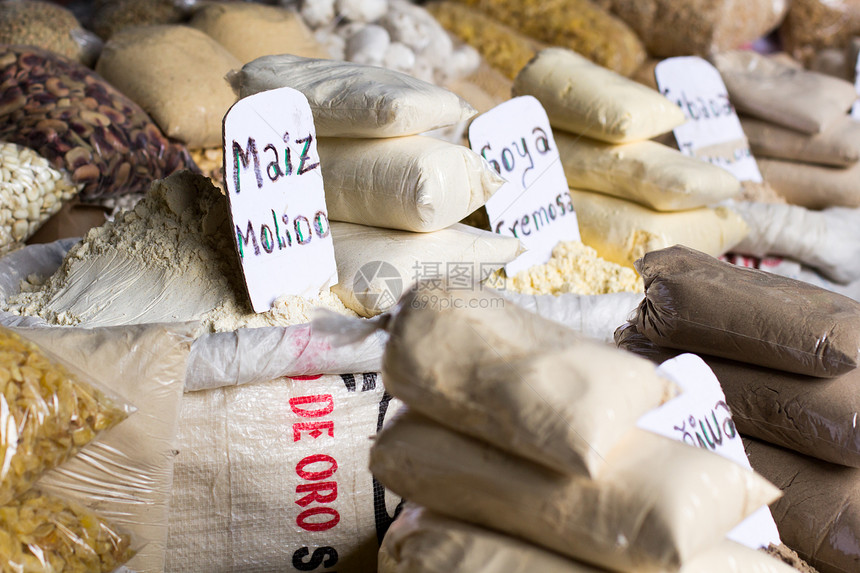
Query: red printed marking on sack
pixel 320 491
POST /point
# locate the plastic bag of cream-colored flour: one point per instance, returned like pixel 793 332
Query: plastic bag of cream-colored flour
pixel 376 265
pixel 356 100
pixel 827 240
pixel 421 541
pixel 622 231
pixel 413 183
pixel 697 303
pixel 813 186
pixel 647 172
pixel 782 93
pixel 479 364
pixel 274 476
pixel 586 99
pixel 838 145
pixel 660 503
pixel 126 475
pixel 810 415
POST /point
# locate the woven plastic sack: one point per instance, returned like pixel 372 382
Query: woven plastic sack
pixel 274 477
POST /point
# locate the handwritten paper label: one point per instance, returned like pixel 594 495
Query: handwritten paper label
pixel 855 110
pixel 700 417
pixel 534 204
pixel 277 202
pixel 712 131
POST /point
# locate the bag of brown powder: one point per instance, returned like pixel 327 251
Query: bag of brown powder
pixel 810 415
pixel 784 94
pixel 586 99
pixel 250 31
pixel 651 174
pixel 177 75
pixel 819 513
pixel 481 365
pixel 698 27
pixel 412 183
pixel 659 504
pixel 838 145
pixel 622 231
pixel 813 186
pixel 697 303
pixel 421 541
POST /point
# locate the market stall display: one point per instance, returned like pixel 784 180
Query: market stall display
pixel 250 439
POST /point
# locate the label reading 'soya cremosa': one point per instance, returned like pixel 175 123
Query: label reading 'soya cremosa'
pixel 712 131
pixel 534 204
pixel 277 203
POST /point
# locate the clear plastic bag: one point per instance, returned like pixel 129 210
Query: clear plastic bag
pixel 81 124
pixel 811 25
pixel 40 532
pixel 47 414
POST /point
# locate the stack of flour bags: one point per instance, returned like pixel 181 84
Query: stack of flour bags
pixel 786 354
pixel 519 451
pixel 807 147
pixel 631 195
pixel 394 196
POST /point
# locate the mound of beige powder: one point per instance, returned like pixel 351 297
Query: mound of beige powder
pixel 169 259
pixel 573 268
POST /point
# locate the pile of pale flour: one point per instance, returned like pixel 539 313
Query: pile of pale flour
pixel 169 259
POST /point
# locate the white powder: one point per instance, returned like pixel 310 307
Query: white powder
pixel 574 268
pixel 169 259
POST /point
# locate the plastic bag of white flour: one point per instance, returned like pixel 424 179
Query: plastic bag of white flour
pixel 784 94
pixel 659 504
pixel 646 172
pixel 355 100
pixel 376 265
pixel 413 183
pixel 421 541
pixel 838 145
pixel 274 477
pixel 622 231
pixel 586 99
pixel 176 74
pixel 126 475
pixel 827 240
pixel 813 186
pixel 474 362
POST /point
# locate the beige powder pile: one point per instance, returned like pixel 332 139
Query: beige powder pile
pixel 169 259
pixel 574 268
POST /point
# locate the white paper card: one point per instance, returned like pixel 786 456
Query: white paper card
pixel 712 131
pixel 277 202
pixel 855 110
pixel 700 417
pixel 534 204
